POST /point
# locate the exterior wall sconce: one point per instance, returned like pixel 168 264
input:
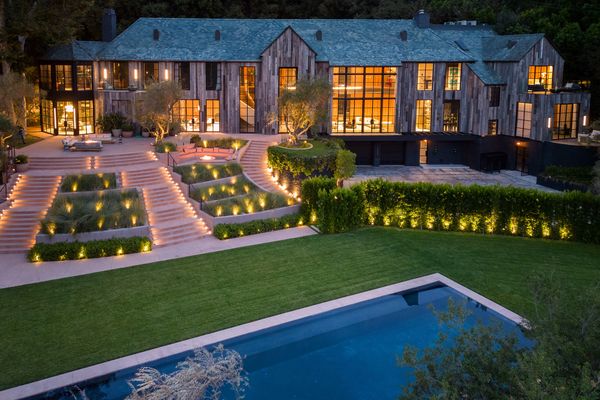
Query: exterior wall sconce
pixel 135 74
pixel 166 74
pixel 549 125
pixel 585 120
pixel 55 119
pixel 105 74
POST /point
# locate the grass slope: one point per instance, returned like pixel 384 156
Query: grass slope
pixel 58 326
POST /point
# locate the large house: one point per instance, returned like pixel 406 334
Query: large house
pixel 404 91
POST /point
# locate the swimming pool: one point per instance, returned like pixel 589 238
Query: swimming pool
pixel 346 353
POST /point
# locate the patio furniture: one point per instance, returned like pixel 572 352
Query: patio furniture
pixel 583 138
pixel 105 138
pixel 595 136
pixel 88 145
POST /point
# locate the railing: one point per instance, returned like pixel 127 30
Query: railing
pixel 171 160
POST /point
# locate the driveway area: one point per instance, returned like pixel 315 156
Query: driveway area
pixel 453 174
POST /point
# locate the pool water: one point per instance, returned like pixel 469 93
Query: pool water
pixel 348 353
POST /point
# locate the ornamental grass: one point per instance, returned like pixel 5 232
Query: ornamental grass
pixel 200 172
pixel 88 182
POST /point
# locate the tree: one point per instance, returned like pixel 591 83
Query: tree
pixel 202 376
pixel 345 166
pixel 561 361
pixel 157 107
pixel 596 179
pixel 303 107
pixel 14 88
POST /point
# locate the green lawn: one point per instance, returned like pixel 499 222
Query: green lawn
pixel 29 139
pixel 58 326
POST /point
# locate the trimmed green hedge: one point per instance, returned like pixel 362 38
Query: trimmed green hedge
pixel 92 249
pixel 482 209
pixel 582 175
pixel 315 161
pixel 165 147
pixel 228 231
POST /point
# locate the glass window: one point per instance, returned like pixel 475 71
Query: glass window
pixel 493 127
pixel 453 76
pixel 85 116
pixel 120 74
pixel 84 77
pixel 247 99
pixel 64 77
pixel 150 73
pixel 524 111
pixel 494 92
pixel 187 112
pixel 213 117
pixel 451 115
pixel 45 77
pixel 182 74
pixel 287 81
pixel 540 77
pixel 65 113
pixel 47 116
pixel 425 76
pixel 364 99
pixel 423 116
pixel 565 121
pixel 213 75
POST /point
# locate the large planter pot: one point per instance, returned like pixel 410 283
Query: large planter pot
pixel 22 167
pixel 117 132
pixel 145 134
pixel 127 134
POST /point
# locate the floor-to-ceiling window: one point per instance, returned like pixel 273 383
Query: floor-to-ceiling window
pixel 423 116
pixel 364 99
pixel 523 126
pixel 287 81
pixel 451 115
pixel 47 116
pixel 85 116
pixel 247 100
pixel 213 116
pixel 84 77
pixel 64 77
pixel 187 112
pixel 565 121
pixel 150 73
pixel 65 114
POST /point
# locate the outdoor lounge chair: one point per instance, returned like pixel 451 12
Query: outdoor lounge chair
pixel 88 145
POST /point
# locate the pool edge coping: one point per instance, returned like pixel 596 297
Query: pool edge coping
pixel 147 356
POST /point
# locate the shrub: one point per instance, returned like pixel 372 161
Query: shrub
pixel 222 143
pixel 92 249
pixel 310 195
pixel 21 159
pixel 581 175
pixel 236 187
pixel 110 121
pixel 319 160
pixel 228 231
pixel 94 211
pixel 482 209
pixel 340 210
pixel 196 139
pixel 345 166
pixel 88 182
pixel 201 172
pixel 247 204
pixel 165 147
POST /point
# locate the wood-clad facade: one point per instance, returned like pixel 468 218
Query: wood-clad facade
pixel 452 117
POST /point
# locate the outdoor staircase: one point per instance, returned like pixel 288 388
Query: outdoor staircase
pixel 29 200
pixel 171 217
pixel 60 163
pixel 254 163
pixel 123 160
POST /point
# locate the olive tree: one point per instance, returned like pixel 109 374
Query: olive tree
pixel 302 107
pixel 156 110
pixel 14 89
pixel 345 166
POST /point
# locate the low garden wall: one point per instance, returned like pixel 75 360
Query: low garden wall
pixel 480 209
pixel 98 235
pixel 242 218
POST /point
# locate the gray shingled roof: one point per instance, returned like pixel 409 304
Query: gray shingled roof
pixel 344 42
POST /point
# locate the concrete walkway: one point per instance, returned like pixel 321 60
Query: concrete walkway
pixel 453 174
pixel 15 271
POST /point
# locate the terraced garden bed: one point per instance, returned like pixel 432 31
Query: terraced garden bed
pixel 200 172
pixel 247 204
pixel 88 182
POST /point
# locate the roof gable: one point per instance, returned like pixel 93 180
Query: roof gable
pixel 289 28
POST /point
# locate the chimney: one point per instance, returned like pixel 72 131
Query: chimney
pixel 109 25
pixel 217 35
pixel 319 35
pixel 422 19
pixel 404 36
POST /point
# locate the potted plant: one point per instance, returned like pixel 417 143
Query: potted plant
pixel 128 129
pixel 22 163
pixel 112 123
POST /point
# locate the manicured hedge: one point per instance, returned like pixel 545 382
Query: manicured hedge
pixel 318 160
pixel 482 209
pixel 340 210
pixel 92 249
pixel 228 231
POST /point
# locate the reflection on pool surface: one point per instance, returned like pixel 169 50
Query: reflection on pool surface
pixel 348 353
